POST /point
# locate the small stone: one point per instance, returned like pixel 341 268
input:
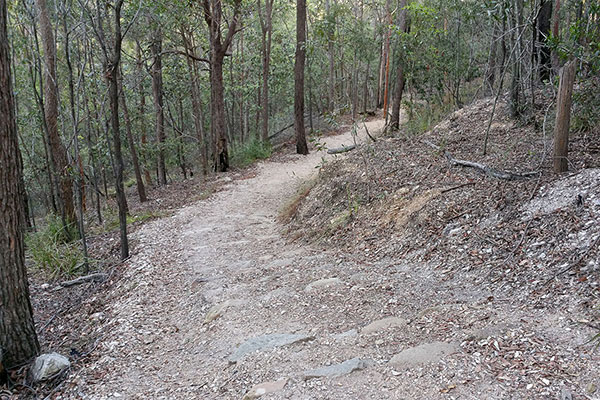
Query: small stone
pixel 591 388
pixel 265 388
pixel 98 317
pixel 383 324
pixel 216 311
pixel 336 370
pixel 45 286
pixel 322 283
pixel 424 354
pixel 48 365
pixel 565 394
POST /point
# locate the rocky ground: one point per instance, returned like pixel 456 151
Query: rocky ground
pixel 390 277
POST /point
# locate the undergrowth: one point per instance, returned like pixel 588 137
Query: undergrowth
pixel 51 251
pixel 245 154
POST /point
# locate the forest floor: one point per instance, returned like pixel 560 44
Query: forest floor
pixel 384 273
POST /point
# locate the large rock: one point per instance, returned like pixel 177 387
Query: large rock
pixel 265 388
pixel 48 365
pixel 266 342
pixel 336 370
pixel 322 283
pixel 383 324
pixel 423 354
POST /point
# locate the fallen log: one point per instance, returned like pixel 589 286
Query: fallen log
pixel 485 169
pixel 96 277
pixel 339 150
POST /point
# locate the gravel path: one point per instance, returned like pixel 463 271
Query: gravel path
pixel 216 305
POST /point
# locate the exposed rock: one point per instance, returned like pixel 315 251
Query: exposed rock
pixel 336 370
pixel 322 283
pixel 216 311
pixel 424 354
pixel 352 333
pixel 266 342
pixel 48 365
pixel 265 388
pixel 383 324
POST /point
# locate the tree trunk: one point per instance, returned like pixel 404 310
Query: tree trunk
pixel 113 73
pixel 386 61
pixel 157 92
pixel 196 102
pixel 491 69
pixel 301 145
pixel 402 27
pixel 18 340
pixel 213 15
pixel 142 112
pixel 267 30
pixel 563 117
pixel 556 33
pixel 132 150
pixel 59 153
pixel 543 31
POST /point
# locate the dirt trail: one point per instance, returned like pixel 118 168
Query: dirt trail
pixel 218 273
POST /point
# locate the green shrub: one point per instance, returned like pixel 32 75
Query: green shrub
pixel 51 252
pixel 245 154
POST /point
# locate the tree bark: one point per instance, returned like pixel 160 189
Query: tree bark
pixel 59 153
pixel 301 145
pixel 399 89
pixel 563 117
pixel 18 340
pixel 157 92
pixel 556 33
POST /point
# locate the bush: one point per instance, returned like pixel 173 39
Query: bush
pixel 51 252
pixel 247 153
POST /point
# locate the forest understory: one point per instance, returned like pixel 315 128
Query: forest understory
pixel 389 274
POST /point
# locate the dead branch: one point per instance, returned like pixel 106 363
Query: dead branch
pixel 368 134
pixel 485 169
pixel 457 187
pixel 96 277
pixel 339 150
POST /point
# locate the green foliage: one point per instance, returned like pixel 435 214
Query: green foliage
pixel 247 153
pixel 50 252
pixel 586 103
pixel 424 116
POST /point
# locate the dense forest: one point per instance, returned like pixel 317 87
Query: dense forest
pixel 104 101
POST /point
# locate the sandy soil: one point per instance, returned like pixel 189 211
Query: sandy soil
pixel 219 272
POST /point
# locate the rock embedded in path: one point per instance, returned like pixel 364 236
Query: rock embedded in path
pixel 322 283
pixel 265 388
pixel 383 324
pixel 424 354
pixel 266 342
pixel 336 370
pixel 48 365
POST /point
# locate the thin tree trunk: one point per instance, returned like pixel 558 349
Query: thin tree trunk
pixel 301 145
pixel 142 112
pixel 157 91
pixel 131 142
pixel 196 102
pixel 267 29
pixel 402 27
pixel 18 340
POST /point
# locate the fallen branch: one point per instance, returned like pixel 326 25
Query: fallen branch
pixel 487 170
pixel 368 134
pixel 96 277
pixel 339 150
pixel 457 187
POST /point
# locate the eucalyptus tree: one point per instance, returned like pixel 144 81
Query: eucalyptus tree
pixel 18 339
